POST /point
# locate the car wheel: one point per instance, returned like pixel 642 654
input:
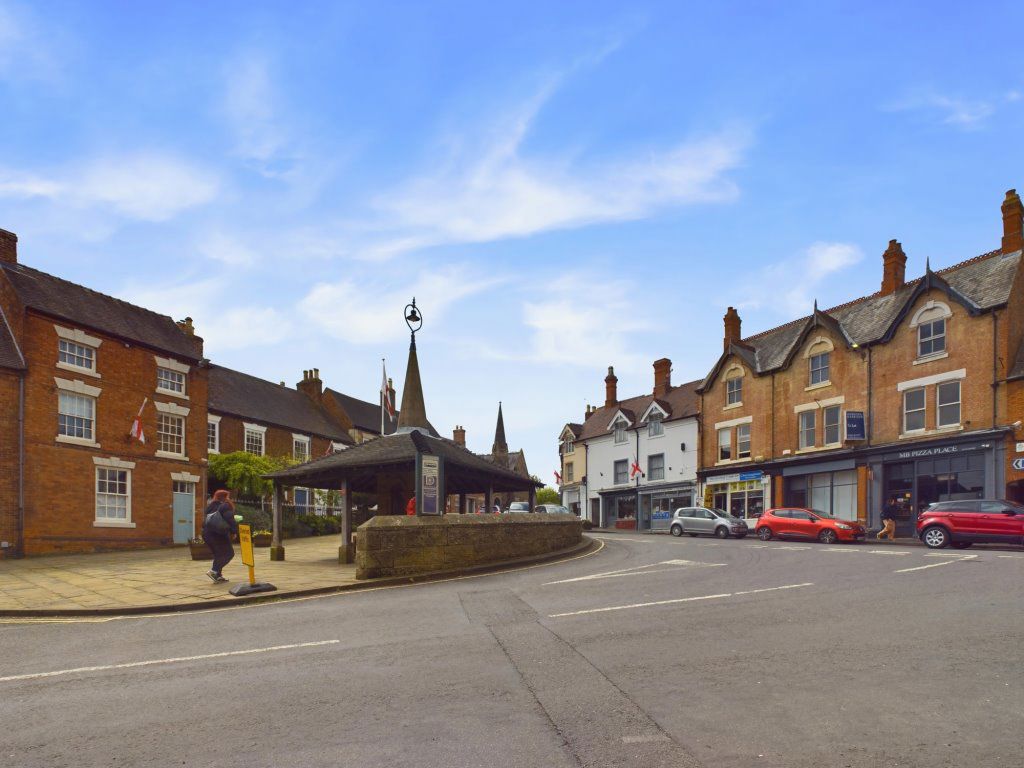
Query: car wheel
pixel 677 530
pixel 961 544
pixel 935 537
pixel 764 533
pixel 828 536
pixel 722 532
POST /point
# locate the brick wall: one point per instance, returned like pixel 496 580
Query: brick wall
pixel 756 403
pixel 60 478
pixel 9 523
pixel 277 441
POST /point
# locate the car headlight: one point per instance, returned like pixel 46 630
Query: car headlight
pixel 844 527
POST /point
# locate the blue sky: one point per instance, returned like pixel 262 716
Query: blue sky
pixel 562 186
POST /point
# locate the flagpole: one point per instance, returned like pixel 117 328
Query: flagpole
pixel 383 386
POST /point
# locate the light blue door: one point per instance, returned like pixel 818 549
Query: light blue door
pixel 184 509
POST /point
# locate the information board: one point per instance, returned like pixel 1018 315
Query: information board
pixel 430 485
pixel 855 427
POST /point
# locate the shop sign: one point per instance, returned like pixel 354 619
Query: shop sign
pixel 1018 464
pixel 855 429
pixel 723 479
pixel 755 474
pixel 928 452
pixel 661 514
pixel 1020 447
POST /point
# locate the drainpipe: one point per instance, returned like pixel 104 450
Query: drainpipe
pixel 995 368
pixel 771 430
pixel 21 465
pixel 871 409
pixel 585 505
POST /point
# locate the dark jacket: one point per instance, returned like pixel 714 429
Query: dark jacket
pixel 227 512
pixel 889 512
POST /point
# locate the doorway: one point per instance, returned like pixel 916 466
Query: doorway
pixel 183 508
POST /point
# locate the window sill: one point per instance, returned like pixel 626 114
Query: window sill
pixel 724 462
pixel 77 441
pixel 817 448
pixel 734 405
pixel 916 433
pixel 169 393
pixel 169 455
pixel 819 385
pixel 76 369
pixel 212 450
pixel 112 524
pixel 655 437
pixel 931 358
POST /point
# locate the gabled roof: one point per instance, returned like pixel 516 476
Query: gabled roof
pixel 10 355
pixel 365 416
pixel 979 284
pixel 681 400
pixel 239 394
pixel 83 307
pixel 661 405
pixel 572 428
pixel 625 413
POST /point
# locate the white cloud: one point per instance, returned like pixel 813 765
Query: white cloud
pixel 147 186
pixel 364 311
pixel 228 250
pixel 951 110
pixel 792 285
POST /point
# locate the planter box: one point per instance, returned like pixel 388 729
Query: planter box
pixel 626 525
pixel 199 551
pixel 261 541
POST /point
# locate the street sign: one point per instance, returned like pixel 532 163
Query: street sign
pixel 245 544
pixel 855 427
pixel 1018 463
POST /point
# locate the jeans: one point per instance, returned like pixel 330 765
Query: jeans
pixel 223 552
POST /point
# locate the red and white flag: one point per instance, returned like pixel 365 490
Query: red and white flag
pixel 385 395
pixel 136 430
pixel 558 478
pixel 635 470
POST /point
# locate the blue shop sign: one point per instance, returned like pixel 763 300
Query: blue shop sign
pixel 661 514
pixel 756 474
pixel 855 429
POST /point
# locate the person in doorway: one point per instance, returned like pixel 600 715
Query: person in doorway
pixel 888 521
pixel 218 526
pixel 410 506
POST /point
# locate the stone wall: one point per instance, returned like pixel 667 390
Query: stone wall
pixel 404 546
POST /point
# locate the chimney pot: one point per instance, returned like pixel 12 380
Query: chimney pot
pixel 611 390
pixel 8 247
pixel 894 268
pixel 1013 222
pixel 733 325
pixel 662 377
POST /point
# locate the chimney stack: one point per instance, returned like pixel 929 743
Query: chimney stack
pixel 732 327
pixel 8 247
pixel 459 436
pixel 662 377
pixel 611 388
pixel 1013 222
pixel 311 385
pixel 894 268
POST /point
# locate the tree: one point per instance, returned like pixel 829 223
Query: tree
pixel 548 495
pixel 243 472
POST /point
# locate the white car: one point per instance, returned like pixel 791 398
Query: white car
pixel 553 509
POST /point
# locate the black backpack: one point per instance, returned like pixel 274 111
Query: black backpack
pixel 214 521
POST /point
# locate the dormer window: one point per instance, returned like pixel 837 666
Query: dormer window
pixel 620 430
pixel 819 368
pixel 734 391
pixel 569 445
pixel 654 425
pixel 931 338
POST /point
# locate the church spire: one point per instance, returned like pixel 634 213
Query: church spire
pixel 500 446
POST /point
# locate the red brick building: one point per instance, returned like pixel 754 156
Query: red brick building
pixel 910 393
pixel 76 368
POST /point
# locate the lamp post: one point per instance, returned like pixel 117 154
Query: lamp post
pixel 413 319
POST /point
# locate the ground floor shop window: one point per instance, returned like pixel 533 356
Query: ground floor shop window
pixel 832 493
pixel 744 498
pixel 915 485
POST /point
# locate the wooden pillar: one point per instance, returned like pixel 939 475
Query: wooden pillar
pixel 489 500
pixel 347 550
pixel 462 503
pixel 533 498
pixel 276 547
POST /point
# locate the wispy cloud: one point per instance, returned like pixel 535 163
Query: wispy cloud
pixel 147 186
pixel 953 110
pixel 362 311
pixel 792 285
pixel 26 52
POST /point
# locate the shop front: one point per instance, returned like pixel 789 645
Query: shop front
pixel 826 487
pixel 619 509
pixel 658 504
pixel 742 494
pixel 920 475
pixel 571 499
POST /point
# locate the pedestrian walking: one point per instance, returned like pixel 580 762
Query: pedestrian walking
pixel 889 521
pixel 218 526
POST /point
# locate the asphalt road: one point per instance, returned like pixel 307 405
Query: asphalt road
pixel 652 652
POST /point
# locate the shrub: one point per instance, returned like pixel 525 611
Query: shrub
pixel 587 525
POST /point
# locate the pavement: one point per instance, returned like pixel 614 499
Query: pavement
pixel 167 580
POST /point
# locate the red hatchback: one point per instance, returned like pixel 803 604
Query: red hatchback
pixel 800 523
pixel 962 523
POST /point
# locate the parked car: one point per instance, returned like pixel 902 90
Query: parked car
pixel 802 523
pixel 552 509
pixel 694 521
pixel 962 523
pixel 518 506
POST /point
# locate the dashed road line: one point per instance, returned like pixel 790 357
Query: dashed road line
pixel 937 565
pixel 640 570
pixel 676 601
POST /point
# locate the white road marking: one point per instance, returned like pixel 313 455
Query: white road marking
pixel 677 600
pixel 792 547
pixel 956 555
pixel 1015 557
pixel 151 662
pixel 640 570
pixel 841 549
pixel 885 552
pixel 624 538
pixel 937 565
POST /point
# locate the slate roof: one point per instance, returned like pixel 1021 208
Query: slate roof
pixel 575 428
pixel 86 308
pixel 464 470
pixel 10 355
pixel 245 396
pixel 364 415
pixel 981 283
pixel 680 402
pixel 505 460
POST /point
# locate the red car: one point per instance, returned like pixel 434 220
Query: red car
pixel 800 523
pixel 962 523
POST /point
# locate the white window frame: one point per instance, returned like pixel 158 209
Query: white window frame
pixel 89 420
pixel 932 338
pixel 213 421
pixel 838 410
pixel 78 387
pixel 654 426
pixel 570 445
pixel 651 476
pixel 725 432
pixel 734 394
pixel 305 440
pixel 172 366
pixel 255 429
pixel 82 339
pixel 807 437
pixel 569 470
pixel 939 405
pixel 620 426
pixel 171 419
pixel 827 368
pixel 923 410
pixel 114 464
pixel 615 472
pixel 740 440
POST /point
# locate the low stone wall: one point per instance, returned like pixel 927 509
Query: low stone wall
pixel 404 546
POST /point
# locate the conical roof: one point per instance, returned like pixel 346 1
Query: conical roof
pixel 500 445
pixel 413 414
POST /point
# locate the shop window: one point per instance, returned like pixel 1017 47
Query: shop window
pixel 820 368
pixel 743 441
pixel 931 338
pixel 724 444
pixel 913 410
pixel 656 467
pixel 734 391
pixel 621 470
pixel 807 429
pixel 831 420
pixel 948 404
